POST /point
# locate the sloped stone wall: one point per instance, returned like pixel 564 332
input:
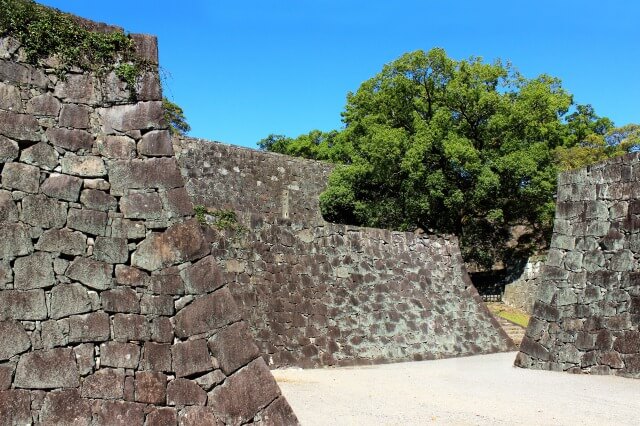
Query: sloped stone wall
pixel 251 182
pixel 586 318
pixel 109 310
pixel 521 290
pixel 318 294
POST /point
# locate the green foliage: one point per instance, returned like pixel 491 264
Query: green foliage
pixel 174 117
pixel 44 33
pixel 201 212
pixel 220 219
pixel 463 147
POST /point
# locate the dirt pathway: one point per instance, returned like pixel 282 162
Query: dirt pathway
pixel 481 390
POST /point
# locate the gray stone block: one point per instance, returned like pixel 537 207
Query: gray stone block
pixel 92 327
pixel 142 206
pixel 44 212
pixel 119 355
pixel 117 147
pixel 9 150
pixel 92 222
pixel 23 305
pixel 78 88
pixel 33 271
pixel 70 139
pixel 63 241
pixel 190 358
pixel 91 273
pixel 69 299
pixel 22 177
pixel 74 116
pixel 124 118
pixel 47 369
pixel 19 127
pixel 62 187
pixel 111 250
pixel 8 209
pixel 42 155
pixel 14 339
pixel 84 166
pixel 44 104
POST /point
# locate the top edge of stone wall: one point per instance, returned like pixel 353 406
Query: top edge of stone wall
pixel 579 175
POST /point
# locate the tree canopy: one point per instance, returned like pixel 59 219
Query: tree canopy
pixel 464 147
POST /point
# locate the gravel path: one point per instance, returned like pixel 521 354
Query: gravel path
pixel 480 390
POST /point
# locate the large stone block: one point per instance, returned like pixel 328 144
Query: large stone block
pixel 207 314
pixel 203 276
pixel 191 357
pixel 98 200
pixel 157 305
pixel 111 250
pixel 54 333
pixel 142 206
pixel 65 407
pixel 151 387
pixel 108 413
pixel 47 369
pixel 70 139
pixel 156 357
pixel 44 212
pixel 180 243
pixel 183 392
pixel 63 187
pixel 156 143
pixel 93 327
pixel 117 147
pixel 34 271
pixel 23 305
pixel 119 355
pixel 161 416
pixel 90 221
pixel 8 209
pixel 120 300
pixel 84 166
pixel 244 394
pixel 233 347
pixel 10 98
pixel 19 127
pixel 6 375
pixel 15 406
pixel 177 202
pixel 91 273
pixel 69 299
pixel 22 74
pixel 279 412
pixel 148 87
pixel 44 104
pixel 197 415
pixel 78 88
pixel 63 241
pixel 131 327
pixel 14 339
pixel 126 275
pixel 9 150
pixel 74 116
pixel 153 173
pixel 124 118
pixel 106 383
pixel 22 177
pixel 42 155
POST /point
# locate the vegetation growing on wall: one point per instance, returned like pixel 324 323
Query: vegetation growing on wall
pixel 463 147
pixel 48 33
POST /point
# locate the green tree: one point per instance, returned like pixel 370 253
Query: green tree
pixel 463 147
pixel 175 118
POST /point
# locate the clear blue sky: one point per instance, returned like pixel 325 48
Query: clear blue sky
pixel 244 69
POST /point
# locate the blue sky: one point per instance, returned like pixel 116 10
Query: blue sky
pixel 244 69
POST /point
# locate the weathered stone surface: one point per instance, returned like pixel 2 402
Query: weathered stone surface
pixel 233 347
pixel 191 357
pixel 156 305
pixel 55 333
pixel 33 271
pixel 203 276
pixel 63 187
pixel 131 229
pixel 177 202
pixel 15 406
pixel 8 209
pixel 106 383
pixel 180 243
pixel 277 413
pixel 91 273
pixel 162 416
pixel 70 139
pixel 167 281
pixel 22 305
pixel 69 299
pixel 141 206
pixel 42 155
pixel 185 392
pixel 10 98
pixel 120 300
pixel 156 357
pixel 9 150
pixel 628 343
pixel 65 407
pixel 6 376
pixel 15 339
pixel 111 250
pixel 63 241
pixel 47 369
pixel 117 147
pixel 151 387
pixel 130 327
pixel 126 275
pixel 209 380
pixel 98 200
pixel 77 88
pixel 207 314
pixel 118 413
pixel 93 327
pixel 156 143
pixel 124 118
pixel 6 274
pixel 162 330
pixel 244 394
pixel 22 177
pixel 98 183
pixel 19 127
pixel 22 74
pixel 84 354
pixel 146 46
pixel 153 173
pixel 84 166
pixel 197 415
pixel 44 104
pixel 74 116
pixel 89 221
pixel 42 211
pixel 14 240
pixel 148 87
pixel 119 355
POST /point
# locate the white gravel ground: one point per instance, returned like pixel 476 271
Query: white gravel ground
pixel 480 390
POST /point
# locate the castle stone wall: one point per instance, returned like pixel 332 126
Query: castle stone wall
pixel 109 310
pixel 586 318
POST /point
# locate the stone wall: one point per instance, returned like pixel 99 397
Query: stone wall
pixel 110 312
pixel 520 291
pixel 250 182
pixel 586 318
pixel 318 294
